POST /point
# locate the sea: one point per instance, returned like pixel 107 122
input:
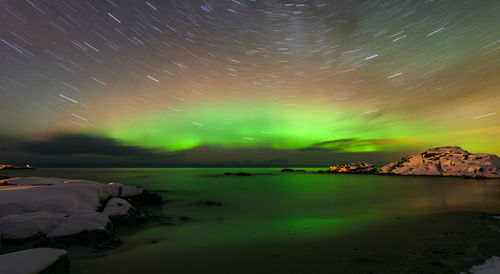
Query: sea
pixel 296 222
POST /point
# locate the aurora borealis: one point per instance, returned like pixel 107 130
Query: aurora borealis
pixel 347 76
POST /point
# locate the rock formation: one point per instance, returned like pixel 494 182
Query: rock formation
pixel 446 161
pixel 353 168
pixel 76 211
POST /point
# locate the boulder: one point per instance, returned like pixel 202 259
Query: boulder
pixel 120 190
pixel 446 161
pixel 84 228
pixel 145 198
pixel 135 195
pixel 68 197
pixel 36 260
pixel 68 211
pixel 29 225
pixel 353 168
pixel 122 212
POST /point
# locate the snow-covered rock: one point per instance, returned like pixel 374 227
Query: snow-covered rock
pixel 353 168
pixel 81 222
pixel 117 207
pixel 32 181
pixel 120 190
pixel 446 161
pixel 36 260
pixel 134 195
pixel 68 197
pixel 66 209
pixel 491 266
pixel 122 212
pixel 29 225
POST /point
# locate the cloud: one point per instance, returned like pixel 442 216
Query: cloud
pixel 71 144
pixel 80 150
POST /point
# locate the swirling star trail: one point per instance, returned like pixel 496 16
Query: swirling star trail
pixel 172 75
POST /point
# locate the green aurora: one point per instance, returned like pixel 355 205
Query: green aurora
pixel 278 126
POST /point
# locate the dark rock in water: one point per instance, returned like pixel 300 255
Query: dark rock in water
pixel 134 216
pixel 292 170
pixel 209 203
pixel 446 161
pixel 363 260
pixel 237 174
pixel 145 198
pixel 353 168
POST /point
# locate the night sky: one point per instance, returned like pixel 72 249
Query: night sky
pixel 250 83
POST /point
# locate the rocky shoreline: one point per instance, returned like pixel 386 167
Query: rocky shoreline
pixel 446 161
pixel 449 161
pixel 59 213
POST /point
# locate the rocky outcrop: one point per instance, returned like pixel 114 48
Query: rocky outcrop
pixel 446 161
pixel 353 168
pixel 67 211
pixel 237 174
pixel 120 211
pixel 292 170
pixel 36 260
pixel 135 195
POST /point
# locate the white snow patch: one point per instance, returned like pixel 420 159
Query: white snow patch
pixel 29 225
pixel 32 181
pixel 120 190
pixel 117 207
pixel 491 266
pixel 69 197
pixel 30 261
pixel 32 206
pixel 80 222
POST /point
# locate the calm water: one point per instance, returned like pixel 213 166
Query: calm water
pixel 280 222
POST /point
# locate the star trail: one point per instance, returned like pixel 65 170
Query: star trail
pixel 355 76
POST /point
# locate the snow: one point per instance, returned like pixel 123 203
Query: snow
pixel 30 261
pixel 116 189
pixel 28 225
pixel 120 190
pixel 353 168
pixel 32 181
pixel 491 266
pixel 117 207
pixel 68 197
pixel 80 222
pixel 54 207
pixel 447 161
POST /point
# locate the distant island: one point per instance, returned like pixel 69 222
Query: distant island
pixel 4 166
pixel 439 161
